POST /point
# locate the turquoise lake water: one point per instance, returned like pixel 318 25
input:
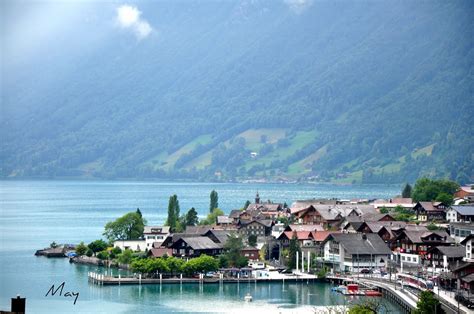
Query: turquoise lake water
pixel 35 213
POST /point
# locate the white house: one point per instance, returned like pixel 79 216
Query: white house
pixel 460 213
pixel 354 252
pixel 155 234
pixel 468 242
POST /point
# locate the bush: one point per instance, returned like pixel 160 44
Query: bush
pixel 103 255
pixel 81 249
pixel 125 257
pixel 89 252
pixel 97 246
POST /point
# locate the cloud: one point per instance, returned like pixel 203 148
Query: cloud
pixel 298 6
pixel 129 17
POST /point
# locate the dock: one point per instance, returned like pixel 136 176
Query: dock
pixel 101 279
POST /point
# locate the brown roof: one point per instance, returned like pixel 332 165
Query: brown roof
pixel 159 252
pixel 320 236
pixel 300 235
pixel 431 206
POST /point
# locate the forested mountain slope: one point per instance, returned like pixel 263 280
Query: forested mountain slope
pixel 354 91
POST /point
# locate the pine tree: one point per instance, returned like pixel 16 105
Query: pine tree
pixel 139 212
pixel 191 217
pixel 214 203
pixel 406 193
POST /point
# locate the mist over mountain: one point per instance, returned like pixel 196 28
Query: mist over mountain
pixel 347 91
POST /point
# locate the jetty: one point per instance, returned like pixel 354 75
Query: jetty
pixel 101 279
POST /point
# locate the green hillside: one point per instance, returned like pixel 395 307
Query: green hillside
pixel 343 91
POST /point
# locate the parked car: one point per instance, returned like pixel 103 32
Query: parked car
pixel 366 271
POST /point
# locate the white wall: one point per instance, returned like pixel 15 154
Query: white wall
pixel 134 245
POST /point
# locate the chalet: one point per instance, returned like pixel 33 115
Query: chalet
pixel 445 257
pixel 195 246
pixel 459 230
pixel 352 223
pixel 155 234
pixel 354 252
pixel 387 230
pixel 377 228
pixel 412 246
pixel 260 227
pixel 327 217
pixel 429 211
pixel 460 213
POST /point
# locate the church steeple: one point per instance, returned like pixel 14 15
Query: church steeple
pixel 257 198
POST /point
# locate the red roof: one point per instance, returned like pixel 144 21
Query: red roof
pixel 320 236
pixel 300 235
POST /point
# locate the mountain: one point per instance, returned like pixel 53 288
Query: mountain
pixel 347 91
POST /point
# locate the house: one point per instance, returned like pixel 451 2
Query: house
pixel 277 229
pixel 468 243
pixel 327 217
pixel 258 227
pixel 460 213
pixel 195 246
pixel 459 230
pixel 235 215
pixel 445 257
pixel 387 230
pixel 352 223
pixel 410 247
pixel 267 209
pixel 251 253
pixel 218 236
pixel 309 241
pixel 354 252
pixel 134 245
pixel 224 221
pixel 155 235
pixel 429 211
pixel 465 192
pixel 464 274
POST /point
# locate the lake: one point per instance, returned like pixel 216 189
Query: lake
pixel 35 213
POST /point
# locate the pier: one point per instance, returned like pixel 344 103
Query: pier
pixel 101 279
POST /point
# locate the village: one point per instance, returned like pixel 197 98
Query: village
pixel 429 242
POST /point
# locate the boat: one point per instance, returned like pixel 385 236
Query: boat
pixel 248 298
pixel 373 293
